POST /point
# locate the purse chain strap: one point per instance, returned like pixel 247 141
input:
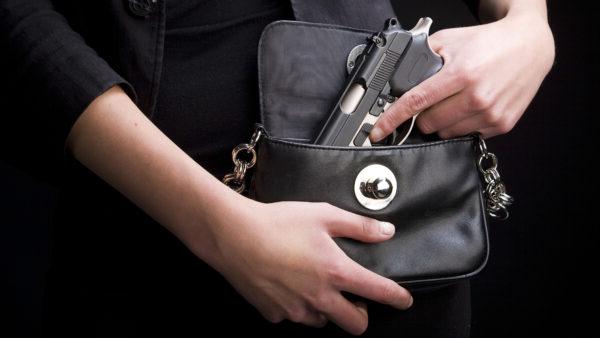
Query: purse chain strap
pixel 497 200
pixel 236 179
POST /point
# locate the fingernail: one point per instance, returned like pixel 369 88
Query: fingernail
pixel 362 307
pixel 410 302
pixel 387 228
pixel 376 134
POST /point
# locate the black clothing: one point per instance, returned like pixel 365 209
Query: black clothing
pixel 208 97
pixel 191 67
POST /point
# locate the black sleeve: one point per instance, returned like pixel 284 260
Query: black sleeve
pixel 49 63
pixel 473 7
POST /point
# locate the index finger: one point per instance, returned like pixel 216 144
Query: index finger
pixel 429 92
pixel 365 283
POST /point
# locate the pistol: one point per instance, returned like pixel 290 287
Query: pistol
pixel 388 65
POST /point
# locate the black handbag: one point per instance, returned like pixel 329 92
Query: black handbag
pixel 436 200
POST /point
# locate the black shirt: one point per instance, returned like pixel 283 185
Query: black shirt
pixel 114 269
pixel 208 96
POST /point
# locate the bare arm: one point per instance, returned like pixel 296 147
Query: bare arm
pixel 281 257
pixel 492 10
pixel 490 75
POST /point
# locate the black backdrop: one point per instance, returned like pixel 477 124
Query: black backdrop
pixel 539 274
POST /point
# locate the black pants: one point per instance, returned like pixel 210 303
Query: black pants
pixel 184 312
pixel 117 273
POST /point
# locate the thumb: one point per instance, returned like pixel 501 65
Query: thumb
pixel 341 223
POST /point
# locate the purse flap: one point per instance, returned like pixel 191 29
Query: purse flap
pixel 302 70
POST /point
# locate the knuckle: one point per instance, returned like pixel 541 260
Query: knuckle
pixel 390 292
pixel 297 314
pixel 335 273
pixel 369 226
pixel 461 75
pixel 504 126
pixel 425 126
pixel 467 75
pixel 386 121
pixel 417 101
pixel 480 100
pixel 322 302
pixel 493 118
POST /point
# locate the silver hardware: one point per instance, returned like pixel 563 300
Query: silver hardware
pixel 352 98
pixel 378 188
pixel 422 26
pixel 235 180
pixel 375 187
pixel 497 200
pixel 354 53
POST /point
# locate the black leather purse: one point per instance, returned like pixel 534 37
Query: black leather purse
pixel 434 196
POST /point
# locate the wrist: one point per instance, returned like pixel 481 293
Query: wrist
pixel 211 215
pixel 535 32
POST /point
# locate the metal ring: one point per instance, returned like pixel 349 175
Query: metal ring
pixel 499 212
pixel 232 182
pixel 240 171
pixel 487 156
pixel 505 198
pixel 482 145
pixel 245 147
pixel 255 137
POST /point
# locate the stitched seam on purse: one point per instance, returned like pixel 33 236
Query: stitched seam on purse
pixel 405 147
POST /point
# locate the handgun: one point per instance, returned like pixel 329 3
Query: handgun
pixel 391 62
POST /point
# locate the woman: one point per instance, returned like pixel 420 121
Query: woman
pixel 153 95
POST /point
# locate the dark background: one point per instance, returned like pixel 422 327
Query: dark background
pixel 538 278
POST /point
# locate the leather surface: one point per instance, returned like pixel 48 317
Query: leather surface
pixel 441 231
pixel 438 211
pixel 357 14
pixel 302 69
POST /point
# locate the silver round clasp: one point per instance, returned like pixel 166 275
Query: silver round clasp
pixel 375 187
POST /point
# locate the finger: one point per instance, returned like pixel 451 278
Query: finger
pixel 446 113
pixel 362 282
pixel 431 91
pixel 365 229
pixel 467 126
pixel 315 319
pixel 350 317
pixel 480 123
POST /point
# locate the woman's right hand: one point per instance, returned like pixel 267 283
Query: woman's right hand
pixel 282 258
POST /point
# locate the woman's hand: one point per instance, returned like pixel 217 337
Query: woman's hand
pixel 282 258
pixel 491 73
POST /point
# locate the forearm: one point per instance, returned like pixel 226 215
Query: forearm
pixel 115 140
pixel 491 10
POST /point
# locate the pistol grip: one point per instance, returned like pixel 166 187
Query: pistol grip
pixel 418 64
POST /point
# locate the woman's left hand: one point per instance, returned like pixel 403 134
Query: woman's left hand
pixel 490 75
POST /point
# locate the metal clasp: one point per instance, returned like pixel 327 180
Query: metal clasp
pixel 375 187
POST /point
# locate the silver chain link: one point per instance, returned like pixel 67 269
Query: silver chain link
pixel 236 179
pixel 497 200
